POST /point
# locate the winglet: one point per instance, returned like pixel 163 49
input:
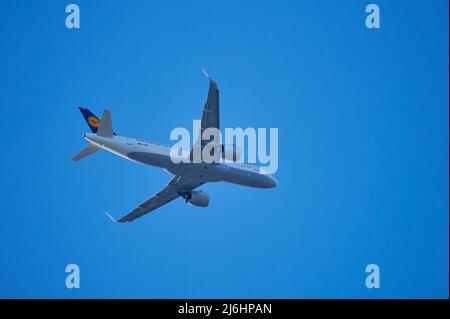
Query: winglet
pixel 211 80
pixel 206 74
pixel 110 217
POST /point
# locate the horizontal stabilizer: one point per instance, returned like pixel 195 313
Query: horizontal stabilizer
pixel 88 150
pixel 105 128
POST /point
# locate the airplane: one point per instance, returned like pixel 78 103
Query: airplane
pixel 188 175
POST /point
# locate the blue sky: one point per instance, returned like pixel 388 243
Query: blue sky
pixel 363 148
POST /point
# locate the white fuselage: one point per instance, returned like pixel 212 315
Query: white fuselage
pixel 158 155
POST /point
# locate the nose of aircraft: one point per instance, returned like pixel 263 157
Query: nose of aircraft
pixel 273 181
pixel 269 181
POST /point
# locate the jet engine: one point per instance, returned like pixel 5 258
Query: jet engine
pixel 231 152
pixel 196 198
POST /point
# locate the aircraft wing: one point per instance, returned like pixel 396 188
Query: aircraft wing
pixel 210 115
pixel 177 185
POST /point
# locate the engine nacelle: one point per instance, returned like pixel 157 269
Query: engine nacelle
pixel 196 198
pixel 231 152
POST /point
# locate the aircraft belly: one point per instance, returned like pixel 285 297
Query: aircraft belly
pixel 241 177
pixel 153 159
pixel 199 171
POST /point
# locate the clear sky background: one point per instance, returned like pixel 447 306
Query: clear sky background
pixel 363 148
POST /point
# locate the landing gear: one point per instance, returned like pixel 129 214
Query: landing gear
pixel 186 195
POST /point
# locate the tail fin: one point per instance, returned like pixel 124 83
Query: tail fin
pixel 88 150
pixel 92 121
pixel 101 128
